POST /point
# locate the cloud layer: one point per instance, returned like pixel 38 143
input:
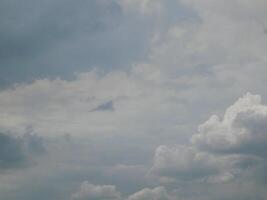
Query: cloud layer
pixel 92 89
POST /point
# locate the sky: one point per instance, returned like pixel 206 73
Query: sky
pixel 133 100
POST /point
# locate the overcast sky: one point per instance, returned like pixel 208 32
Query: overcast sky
pixel 133 100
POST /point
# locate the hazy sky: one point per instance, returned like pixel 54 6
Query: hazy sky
pixel 133 100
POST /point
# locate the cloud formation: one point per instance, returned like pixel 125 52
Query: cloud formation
pixel 221 150
pixel 161 68
pixel 242 129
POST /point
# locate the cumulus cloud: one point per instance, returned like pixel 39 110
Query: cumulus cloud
pixel 182 162
pixel 186 163
pixel 242 129
pixel 221 150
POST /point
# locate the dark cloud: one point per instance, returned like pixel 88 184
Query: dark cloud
pixel 34 144
pixel 58 38
pixel 17 151
pixel 108 106
pixel 30 27
pixel 11 151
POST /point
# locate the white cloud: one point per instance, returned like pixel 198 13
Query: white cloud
pixel 243 128
pixel 222 150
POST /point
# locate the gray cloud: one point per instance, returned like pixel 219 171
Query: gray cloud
pixel 34 144
pixel 108 106
pixel 173 58
pixel 33 26
pixel 11 151
pixel 59 38
pixel 183 163
pixel 16 151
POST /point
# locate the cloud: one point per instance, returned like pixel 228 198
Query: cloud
pixel 60 38
pixel 17 151
pixel 59 106
pixel 186 163
pixel 106 192
pixel 108 106
pixel 11 151
pixel 173 58
pixel 242 129
pixel 34 144
pixel 183 162
pixel 158 193
pixel 222 150
pixel 95 192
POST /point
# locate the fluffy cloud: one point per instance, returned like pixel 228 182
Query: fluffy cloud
pixel 222 150
pixel 94 192
pixel 182 162
pixel 242 129
pixel 185 163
